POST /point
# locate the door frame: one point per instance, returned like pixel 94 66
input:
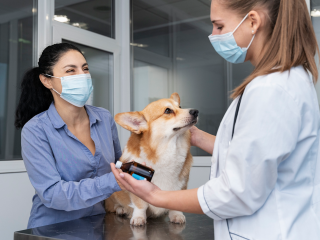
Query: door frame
pixel 47 32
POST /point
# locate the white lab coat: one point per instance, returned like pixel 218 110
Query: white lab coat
pixel 266 182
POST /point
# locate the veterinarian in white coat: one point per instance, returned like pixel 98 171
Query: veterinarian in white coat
pixel 265 175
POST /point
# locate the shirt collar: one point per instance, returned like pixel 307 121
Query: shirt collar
pixel 57 121
pixel 55 118
pixel 93 117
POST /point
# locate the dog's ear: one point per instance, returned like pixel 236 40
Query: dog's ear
pixel 132 121
pixel 175 96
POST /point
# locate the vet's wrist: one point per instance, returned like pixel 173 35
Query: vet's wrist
pixel 199 136
pixel 194 135
pixel 156 198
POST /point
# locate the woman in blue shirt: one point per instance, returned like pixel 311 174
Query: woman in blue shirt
pixel 67 146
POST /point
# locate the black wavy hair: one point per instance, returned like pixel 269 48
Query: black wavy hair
pixel 35 97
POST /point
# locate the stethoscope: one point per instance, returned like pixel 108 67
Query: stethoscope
pixel 236 115
pixel 234 124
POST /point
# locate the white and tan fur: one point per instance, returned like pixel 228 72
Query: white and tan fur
pixel 162 141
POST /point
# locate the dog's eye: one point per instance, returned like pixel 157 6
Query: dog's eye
pixel 168 111
pixel 179 106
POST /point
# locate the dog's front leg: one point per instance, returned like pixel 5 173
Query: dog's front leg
pixel 139 216
pixel 176 217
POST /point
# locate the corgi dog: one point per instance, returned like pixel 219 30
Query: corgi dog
pixel 161 138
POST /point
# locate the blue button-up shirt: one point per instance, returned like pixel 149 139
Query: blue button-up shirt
pixel 70 182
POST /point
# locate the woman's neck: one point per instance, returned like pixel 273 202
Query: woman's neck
pixel 257 48
pixel 73 116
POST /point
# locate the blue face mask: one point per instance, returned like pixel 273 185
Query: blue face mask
pixel 76 89
pixel 227 47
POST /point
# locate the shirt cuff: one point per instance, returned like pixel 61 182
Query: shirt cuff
pixel 108 184
pixel 204 204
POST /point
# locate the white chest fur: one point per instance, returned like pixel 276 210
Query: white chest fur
pixel 167 169
pixel 169 164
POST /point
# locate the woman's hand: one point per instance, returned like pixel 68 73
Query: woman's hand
pixel 143 189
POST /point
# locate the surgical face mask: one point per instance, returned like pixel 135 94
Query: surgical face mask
pixel 227 47
pixel 76 89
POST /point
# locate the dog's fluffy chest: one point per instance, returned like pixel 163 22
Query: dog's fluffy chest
pixel 167 167
pixel 167 171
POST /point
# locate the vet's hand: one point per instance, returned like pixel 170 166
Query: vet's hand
pixel 120 171
pixel 143 189
pixel 194 135
pixel 202 140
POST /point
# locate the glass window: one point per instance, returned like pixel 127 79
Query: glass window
pixel 151 28
pixel 172 53
pixel 16 50
pixel 315 16
pixel 101 70
pixel 93 15
pixel 151 83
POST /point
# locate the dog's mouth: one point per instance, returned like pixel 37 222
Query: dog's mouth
pixel 193 122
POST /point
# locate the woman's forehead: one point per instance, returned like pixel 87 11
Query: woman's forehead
pixel 71 57
pixel 220 13
pixel 217 8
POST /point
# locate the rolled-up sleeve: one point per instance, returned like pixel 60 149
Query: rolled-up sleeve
pixel 53 191
pixel 266 133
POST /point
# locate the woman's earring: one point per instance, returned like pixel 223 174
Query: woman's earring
pixel 252 31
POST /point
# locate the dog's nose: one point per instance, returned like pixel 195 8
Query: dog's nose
pixel 194 112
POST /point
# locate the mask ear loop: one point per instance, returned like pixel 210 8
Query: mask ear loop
pixel 51 76
pixel 240 23
pixel 239 26
pixel 251 42
pixel 53 88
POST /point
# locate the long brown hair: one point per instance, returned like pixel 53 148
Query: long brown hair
pixel 291 39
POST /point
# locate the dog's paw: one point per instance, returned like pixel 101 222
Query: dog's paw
pixel 177 217
pixel 120 211
pixel 138 221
